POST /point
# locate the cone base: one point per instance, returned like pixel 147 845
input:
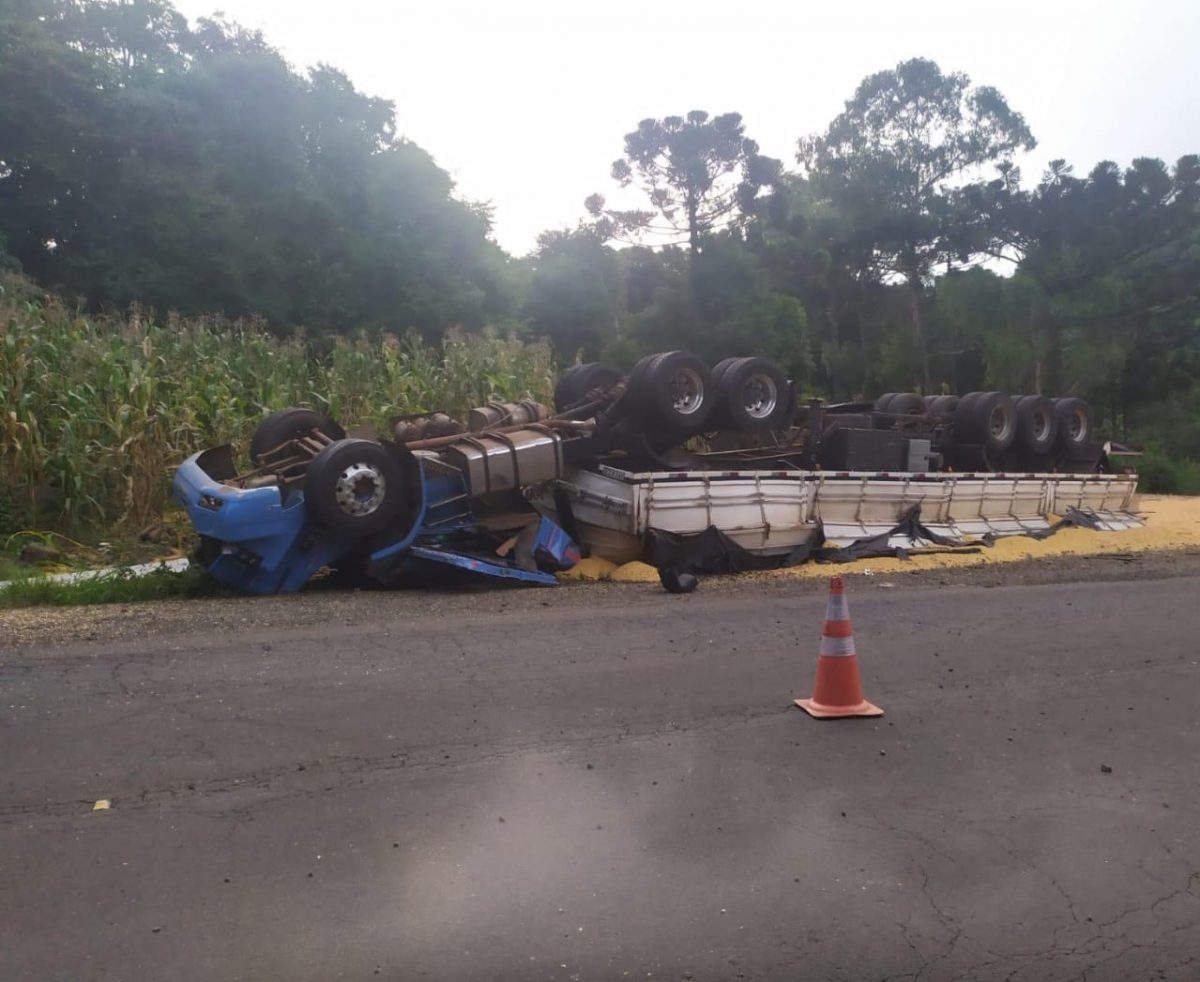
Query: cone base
pixel 821 711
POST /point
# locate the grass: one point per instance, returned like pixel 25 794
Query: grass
pixel 12 569
pixel 118 586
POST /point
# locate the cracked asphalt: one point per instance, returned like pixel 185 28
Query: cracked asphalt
pixel 615 786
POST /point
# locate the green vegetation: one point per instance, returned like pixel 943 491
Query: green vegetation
pixel 1159 472
pixel 190 168
pixel 100 410
pixel 171 170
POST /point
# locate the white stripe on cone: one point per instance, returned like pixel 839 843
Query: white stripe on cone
pixel 838 608
pixel 837 647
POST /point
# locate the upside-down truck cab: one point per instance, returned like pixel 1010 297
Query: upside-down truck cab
pixel 264 538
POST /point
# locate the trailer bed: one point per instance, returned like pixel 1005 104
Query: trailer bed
pixel 770 512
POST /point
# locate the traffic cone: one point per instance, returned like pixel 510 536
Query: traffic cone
pixel 838 689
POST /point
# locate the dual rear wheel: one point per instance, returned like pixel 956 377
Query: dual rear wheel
pixel 753 394
pixel 675 394
pixel 1035 426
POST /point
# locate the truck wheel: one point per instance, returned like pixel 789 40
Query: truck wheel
pixel 1074 418
pixel 1037 425
pixel 995 419
pixel 964 425
pixel 577 382
pixel 288 424
pixel 719 370
pixel 906 404
pixel 563 388
pixel 720 418
pixel 753 395
pixel 881 404
pixel 942 405
pixel 633 380
pixel 355 487
pixel 675 390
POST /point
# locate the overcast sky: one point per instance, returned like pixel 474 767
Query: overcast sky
pixel 526 102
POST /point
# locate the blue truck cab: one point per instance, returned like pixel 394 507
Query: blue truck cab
pixel 262 535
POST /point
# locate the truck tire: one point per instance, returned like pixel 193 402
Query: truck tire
pixel 563 388
pixel 597 376
pixel 675 392
pixel 719 370
pixel 354 487
pixel 288 424
pixel 964 425
pixel 633 383
pixel 881 404
pixel 1037 424
pixel 1074 418
pixel 995 421
pixel 942 405
pixel 577 382
pixel 906 404
pixel 753 395
pixel 720 418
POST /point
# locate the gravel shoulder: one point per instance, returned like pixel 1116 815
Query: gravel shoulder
pixel 232 616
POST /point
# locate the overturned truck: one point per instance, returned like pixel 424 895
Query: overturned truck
pixel 674 446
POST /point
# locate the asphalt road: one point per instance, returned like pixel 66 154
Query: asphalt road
pixel 617 789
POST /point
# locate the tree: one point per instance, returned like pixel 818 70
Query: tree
pixel 730 296
pixel 1117 256
pixel 146 161
pixel 811 250
pixel 700 174
pixel 575 292
pixel 900 159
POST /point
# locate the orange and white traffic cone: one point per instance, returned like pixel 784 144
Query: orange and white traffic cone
pixel 838 689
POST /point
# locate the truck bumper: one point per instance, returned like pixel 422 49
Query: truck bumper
pixel 254 540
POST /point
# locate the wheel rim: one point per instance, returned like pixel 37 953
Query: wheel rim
pixel 687 391
pixel 360 489
pixel 1078 426
pixel 1000 424
pixel 759 396
pixel 1041 427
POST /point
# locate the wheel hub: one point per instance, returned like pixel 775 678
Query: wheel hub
pixel 687 391
pixel 360 489
pixel 999 423
pixel 759 396
pixel 1041 426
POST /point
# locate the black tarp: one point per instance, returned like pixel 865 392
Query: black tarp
pixel 1074 518
pixel 712 551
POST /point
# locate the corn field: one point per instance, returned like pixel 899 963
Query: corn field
pixel 96 412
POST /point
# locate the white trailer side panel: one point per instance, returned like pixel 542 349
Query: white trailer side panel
pixel 771 512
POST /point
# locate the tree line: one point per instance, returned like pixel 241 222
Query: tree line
pixel 143 160
pixel 190 168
